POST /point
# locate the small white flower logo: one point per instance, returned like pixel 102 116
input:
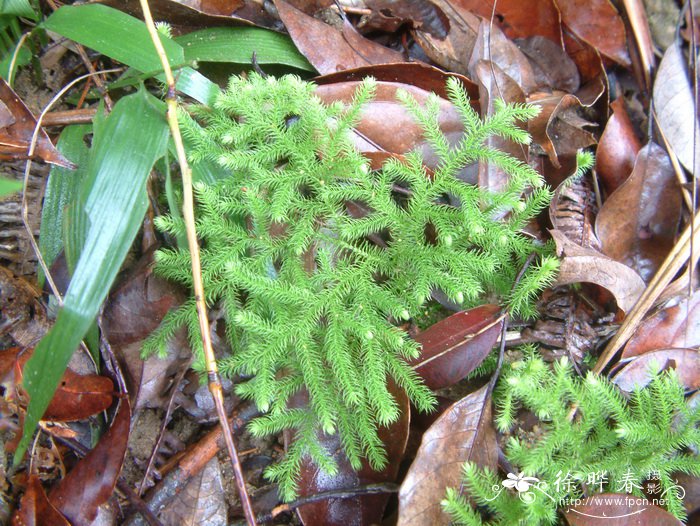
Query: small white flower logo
pixel 519 482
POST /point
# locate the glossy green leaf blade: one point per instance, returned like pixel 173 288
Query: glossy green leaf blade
pixel 126 39
pixel 18 8
pixel 132 138
pixel 113 33
pixel 61 190
pixel 237 45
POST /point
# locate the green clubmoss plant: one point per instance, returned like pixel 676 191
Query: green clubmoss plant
pixel 312 293
pixel 593 439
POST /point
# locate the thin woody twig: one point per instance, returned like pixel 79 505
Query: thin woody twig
pixel 213 377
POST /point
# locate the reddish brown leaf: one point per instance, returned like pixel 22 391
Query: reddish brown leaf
pixel 587 59
pixel 585 265
pixel 551 65
pixel 405 134
pixel 77 396
pixel 136 307
pixel 362 510
pixel 453 51
pixel 637 224
pixel 637 373
pixel 452 348
pixel 573 209
pixel 673 103
pixel 618 148
pixel 598 23
pixel 519 18
pixel 35 508
pixel 329 50
pixel 91 482
pixel 17 128
pixel 464 432
pixel 677 326
pixel 618 509
pixel 417 74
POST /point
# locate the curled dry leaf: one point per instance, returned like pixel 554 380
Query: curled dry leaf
pixel 598 23
pixel 637 225
pixel 22 315
pixel 329 50
pixel 517 17
pixel 674 103
pixel 618 509
pixel 452 348
pixel 91 482
pixel 581 265
pixel 390 15
pixel 17 128
pixel 464 432
pixel 558 129
pixel 573 209
pixel 361 510
pixel 453 51
pixel 77 396
pixel 676 326
pixel 35 508
pixel 637 373
pixel 618 148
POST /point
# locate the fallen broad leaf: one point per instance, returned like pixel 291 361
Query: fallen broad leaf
pixel 676 326
pixel 390 15
pixel 361 510
pixel 618 148
pixel 35 508
pixel 91 482
pixel 598 23
pixel 620 509
pixel 551 65
pixel 202 502
pixel 329 50
pixel 573 209
pixel 638 223
pixel 585 265
pixel 17 128
pixel 452 348
pixel 464 432
pixel 638 372
pixel 673 103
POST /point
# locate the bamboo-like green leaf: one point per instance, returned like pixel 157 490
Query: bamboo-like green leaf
pixel 237 45
pixel 61 190
pixel 132 138
pixel 18 8
pixel 9 186
pixel 126 39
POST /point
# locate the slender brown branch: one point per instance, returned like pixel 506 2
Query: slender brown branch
pixel 369 489
pixel 213 378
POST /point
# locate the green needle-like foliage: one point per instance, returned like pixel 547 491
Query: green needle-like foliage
pixel 593 439
pixel 310 298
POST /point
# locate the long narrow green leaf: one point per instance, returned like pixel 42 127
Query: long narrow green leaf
pixel 237 45
pixel 61 190
pixel 132 138
pixel 126 39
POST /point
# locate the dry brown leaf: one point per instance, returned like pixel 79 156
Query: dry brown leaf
pixel 617 149
pixel 329 50
pixel 598 23
pixel 638 223
pixel 573 209
pixel 17 128
pixel 673 104
pixel 676 326
pixel 390 15
pixel 35 508
pixel 453 51
pixel 585 265
pixel 551 65
pixel 638 372
pixel 464 432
